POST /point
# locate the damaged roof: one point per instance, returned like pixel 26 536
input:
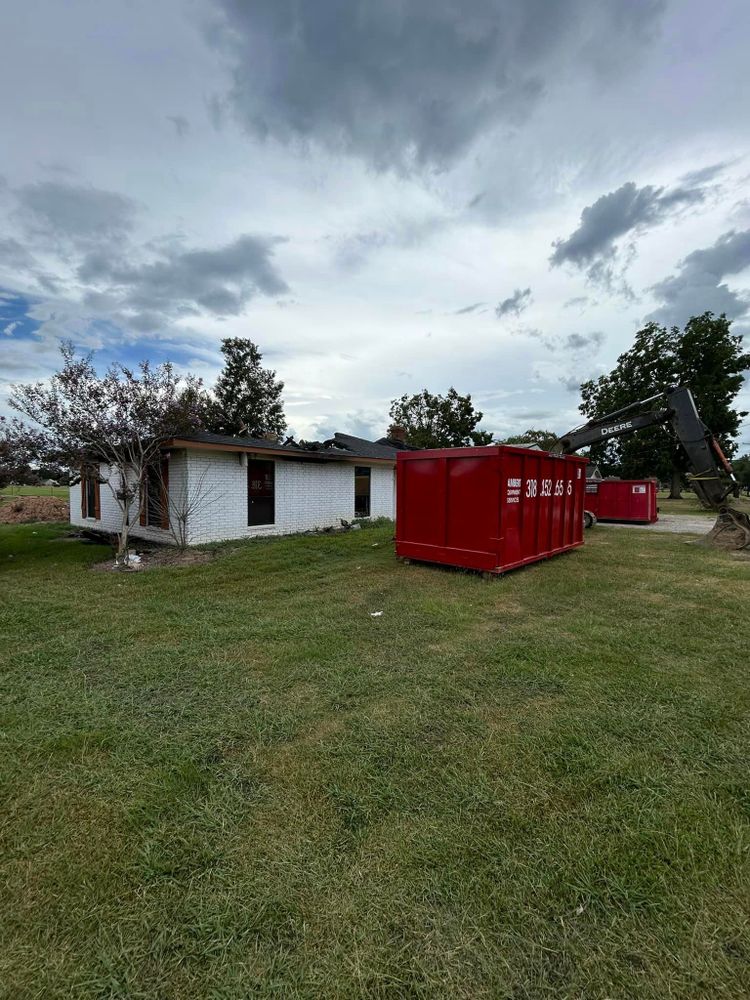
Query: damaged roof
pixel 339 447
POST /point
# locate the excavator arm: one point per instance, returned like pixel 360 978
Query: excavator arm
pixel 711 475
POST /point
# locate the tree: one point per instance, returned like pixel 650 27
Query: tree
pixel 742 471
pixel 119 419
pixel 19 447
pixel 247 396
pixel 179 507
pixel 52 470
pixel 545 439
pixel 706 357
pixel 438 421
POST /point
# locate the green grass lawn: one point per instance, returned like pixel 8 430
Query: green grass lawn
pixel 231 781
pixel 691 505
pixel 34 491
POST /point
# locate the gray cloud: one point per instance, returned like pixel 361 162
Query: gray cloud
pixel 698 285
pixel 15 255
pixel 570 358
pixel 515 304
pixel 469 309
pixel 181 124
pixel 353 251
pixel 533 415
pixel 585 341
pixel 183 282
pixel 629 210
pixel 75 214
pixel 704 174
pixel 143 287
pixel 402 84
pixel 564 346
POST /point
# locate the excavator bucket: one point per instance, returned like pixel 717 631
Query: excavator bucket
pixel 731 531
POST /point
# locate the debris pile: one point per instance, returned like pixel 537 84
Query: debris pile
pixel 25 510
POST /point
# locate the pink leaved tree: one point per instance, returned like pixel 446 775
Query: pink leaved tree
pixel 119 419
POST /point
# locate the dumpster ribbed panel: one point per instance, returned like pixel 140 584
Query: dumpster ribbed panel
pixel 492 508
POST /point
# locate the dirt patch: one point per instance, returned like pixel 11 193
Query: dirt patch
pixel 29 510
pixel 162 558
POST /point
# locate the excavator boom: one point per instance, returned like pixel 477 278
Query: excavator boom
pixel 711 474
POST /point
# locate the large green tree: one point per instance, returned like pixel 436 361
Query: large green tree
pixel 20 446
pixel 433 421
pixel 742 471
pixel 247 396
pixel 545 439
pixel 707 357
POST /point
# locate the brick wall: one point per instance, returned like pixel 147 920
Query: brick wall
pixel 308 495
pixel 213 485
pixel 111 515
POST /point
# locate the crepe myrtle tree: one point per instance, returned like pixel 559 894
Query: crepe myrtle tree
pixel 120 419
pixel 181 507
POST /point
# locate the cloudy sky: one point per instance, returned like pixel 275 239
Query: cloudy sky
pixel 383 194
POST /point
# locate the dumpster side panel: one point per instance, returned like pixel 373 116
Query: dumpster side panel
pixel 627 501
pixel 447 506
pixel 492 508
pixel 472 503
pixel 542 506
pixel 420 501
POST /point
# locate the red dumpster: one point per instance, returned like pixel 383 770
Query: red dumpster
pixel 626 500
pixel 492 508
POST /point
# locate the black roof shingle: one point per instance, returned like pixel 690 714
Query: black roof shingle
pixel 340 446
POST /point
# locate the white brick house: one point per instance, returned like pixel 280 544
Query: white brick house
pixel 246 487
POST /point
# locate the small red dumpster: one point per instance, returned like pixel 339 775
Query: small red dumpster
pixel 627 500
pixel 490 508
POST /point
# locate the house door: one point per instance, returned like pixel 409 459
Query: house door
pixel 260 492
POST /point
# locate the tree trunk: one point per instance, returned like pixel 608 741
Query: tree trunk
pixel 121 558
pixel 122 540
pixel 675 491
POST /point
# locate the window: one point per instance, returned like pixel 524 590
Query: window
pixel 260 492
pixel 362 490
pixel 155 501
pixel 90 496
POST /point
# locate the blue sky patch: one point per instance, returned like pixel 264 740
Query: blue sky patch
pixel 14 319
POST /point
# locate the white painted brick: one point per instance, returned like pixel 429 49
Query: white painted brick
pixel 111 516
pixel 308 495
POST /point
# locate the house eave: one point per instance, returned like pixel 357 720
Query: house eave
pixel 285 453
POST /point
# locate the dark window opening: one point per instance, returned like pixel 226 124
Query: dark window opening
pixel 260 492
pixel 155 506
pixel 362 490
pixel 153 498
pixel 90 488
